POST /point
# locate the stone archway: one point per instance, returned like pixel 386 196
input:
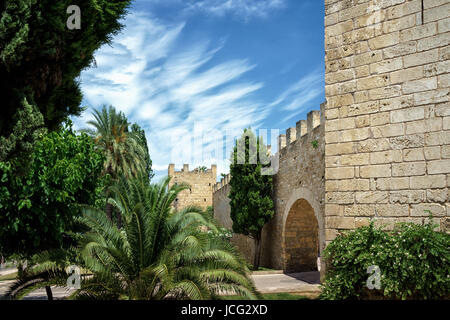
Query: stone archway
pixel 301 238
pixel 303 235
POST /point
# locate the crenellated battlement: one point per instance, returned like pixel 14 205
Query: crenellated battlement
pixel 185 170
pixel 223 182
pixel 303 129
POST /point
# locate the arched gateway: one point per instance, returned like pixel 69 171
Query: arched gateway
pixel 301 234
pixel 301 238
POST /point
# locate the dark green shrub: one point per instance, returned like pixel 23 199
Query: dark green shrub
pixel 414 263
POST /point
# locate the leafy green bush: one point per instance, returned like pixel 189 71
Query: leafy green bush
pixel 37 207
pixel 414 263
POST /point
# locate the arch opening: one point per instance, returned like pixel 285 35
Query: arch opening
pixel 301 238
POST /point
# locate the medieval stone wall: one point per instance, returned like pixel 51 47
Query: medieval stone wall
pixel 383 136
pixel 387 127
pixel 300 175
pixel 200 183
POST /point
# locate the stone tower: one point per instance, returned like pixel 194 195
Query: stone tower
pixel 201 186
pixel 387 117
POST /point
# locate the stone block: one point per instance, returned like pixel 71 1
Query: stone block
pixel 406 142
pixel 360 210
pixel 392 210
pixel 387 131
pixel 340 222
pixel 340 148
pixel 332 209
pixel 432 153
pixel 408 169
pixel 340 197
pixel 392 183
pixel 407 196
pixel 408 114
pixel 376 171
pixel 428 182
pixel 424 209
pixel 386 66
pixel 438 195
pixel 354 134
pixel 421 58
pixel 419 85
pixel 384 41
pixel 388 156
pixel 372 197
pixel 355 159
pixel 378 119
pixel 438 166
pixel 415 154
pixel 339 173
pixel 354 184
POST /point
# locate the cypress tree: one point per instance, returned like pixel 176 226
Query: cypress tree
pixel 251 193
pixel 41 60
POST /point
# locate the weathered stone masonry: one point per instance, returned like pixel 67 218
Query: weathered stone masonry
pixel 383 135
pixel 387 127
pixel 200 183
pixel 293 238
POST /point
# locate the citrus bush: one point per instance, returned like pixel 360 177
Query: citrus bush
pixel 414 263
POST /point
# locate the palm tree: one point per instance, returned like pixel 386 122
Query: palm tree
pixel 159 253
pixel 123 150
pixel 124 153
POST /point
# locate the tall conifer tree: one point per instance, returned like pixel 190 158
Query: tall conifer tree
pixel 251 193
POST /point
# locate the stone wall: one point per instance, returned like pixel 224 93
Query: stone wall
pixel 300 176
pixel 383 135
pixel 387 127
pixel 201 186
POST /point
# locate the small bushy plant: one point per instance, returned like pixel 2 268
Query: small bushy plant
pixel 414 262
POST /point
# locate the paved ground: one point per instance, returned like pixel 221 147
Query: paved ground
pixel 4 272
pixel 305 283
pixel 58 292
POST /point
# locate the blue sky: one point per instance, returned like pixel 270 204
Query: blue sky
pixel 200 69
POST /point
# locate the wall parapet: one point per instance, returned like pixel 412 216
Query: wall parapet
pixel 303 129
pixel 210 171
pixel 223 182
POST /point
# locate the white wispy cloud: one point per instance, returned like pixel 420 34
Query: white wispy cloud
pixel 186 97
pixel 297 97
pixel 170 92
pixel 240 8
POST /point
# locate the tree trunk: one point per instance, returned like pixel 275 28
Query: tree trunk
pixel 48 290
pixel 119 220
pixel 109 208
pixel 22 269
pixel 257 256
pixel 20 273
